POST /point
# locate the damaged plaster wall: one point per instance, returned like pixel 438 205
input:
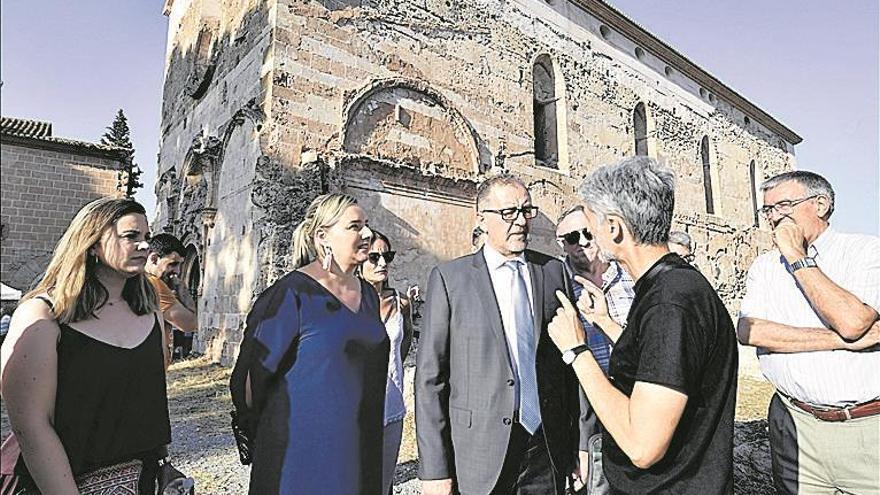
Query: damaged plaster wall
pixel 214 109
pixel 408 104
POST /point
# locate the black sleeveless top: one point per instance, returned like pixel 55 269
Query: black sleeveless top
pixel 111 403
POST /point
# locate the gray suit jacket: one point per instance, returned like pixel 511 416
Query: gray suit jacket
pixel 465 383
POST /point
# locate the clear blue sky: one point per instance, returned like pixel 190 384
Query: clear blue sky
pixel 811 64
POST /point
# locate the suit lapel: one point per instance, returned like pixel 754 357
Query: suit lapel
pixel 486 293
pixel 537 275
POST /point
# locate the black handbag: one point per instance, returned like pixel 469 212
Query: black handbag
pixel 242 440
pixel 170 481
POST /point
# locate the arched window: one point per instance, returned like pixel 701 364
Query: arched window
pixel 545 113
pixel 753 182
pixel 707 175
pixel 192 271
pixel 640 128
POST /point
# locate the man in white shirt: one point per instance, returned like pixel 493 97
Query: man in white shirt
pixel 811 309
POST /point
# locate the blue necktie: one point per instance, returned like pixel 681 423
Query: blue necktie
pixel 529 405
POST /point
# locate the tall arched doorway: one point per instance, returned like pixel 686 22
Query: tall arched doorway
pixel 191 273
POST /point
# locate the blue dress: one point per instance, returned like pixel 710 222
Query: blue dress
pixel 317 372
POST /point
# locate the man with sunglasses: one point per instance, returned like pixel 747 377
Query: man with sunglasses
pixel 811 309
pixel 608 280
pixel 496 407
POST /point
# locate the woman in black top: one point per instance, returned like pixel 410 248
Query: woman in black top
pixel 83 368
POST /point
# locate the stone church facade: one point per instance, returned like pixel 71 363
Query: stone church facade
pixel 408 105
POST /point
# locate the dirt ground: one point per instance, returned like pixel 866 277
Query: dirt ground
pixel 203 446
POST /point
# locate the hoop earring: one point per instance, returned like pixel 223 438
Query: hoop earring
pixel 328 259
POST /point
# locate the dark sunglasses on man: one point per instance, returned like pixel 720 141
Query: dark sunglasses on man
pixel 374 257
pixel 574 237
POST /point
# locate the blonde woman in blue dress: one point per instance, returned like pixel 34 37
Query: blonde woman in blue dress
pixel 309 382
pixel 396 313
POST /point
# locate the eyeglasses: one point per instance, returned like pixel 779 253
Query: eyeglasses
pixel 784 207
pixel 511 214
pixel 574 237
pixel 387 255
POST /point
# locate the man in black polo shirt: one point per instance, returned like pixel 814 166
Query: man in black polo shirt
pixel 667 405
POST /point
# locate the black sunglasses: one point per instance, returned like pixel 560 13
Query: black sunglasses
pixel 374 257
pixel 574 237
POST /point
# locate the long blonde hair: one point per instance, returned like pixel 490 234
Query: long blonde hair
pixel 323 212
pixel 70 278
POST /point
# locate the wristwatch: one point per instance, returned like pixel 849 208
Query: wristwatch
pixel 569 356
pixel 805 262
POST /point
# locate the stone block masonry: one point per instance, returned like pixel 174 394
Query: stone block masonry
pixel 409 104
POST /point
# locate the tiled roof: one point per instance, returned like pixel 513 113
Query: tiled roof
pixel 25 128
pixel 39 131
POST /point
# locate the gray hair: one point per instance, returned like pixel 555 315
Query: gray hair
pixel 502 179
pixel 569 211
pixel 814 183
pixel 637 189
pixel 682 239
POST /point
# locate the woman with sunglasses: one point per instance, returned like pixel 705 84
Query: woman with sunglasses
pixel 396 313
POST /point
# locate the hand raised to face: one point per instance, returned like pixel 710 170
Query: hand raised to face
pixel 790 240
pixel 592 303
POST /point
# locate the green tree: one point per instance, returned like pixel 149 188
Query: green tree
pixel 119 135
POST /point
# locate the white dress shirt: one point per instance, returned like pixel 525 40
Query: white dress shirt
pixel 830 378
pixel 502 283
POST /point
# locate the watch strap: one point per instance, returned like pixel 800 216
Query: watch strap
pixel 574 352
pixel 806 262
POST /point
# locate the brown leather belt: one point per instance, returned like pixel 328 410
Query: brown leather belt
pixel 840 413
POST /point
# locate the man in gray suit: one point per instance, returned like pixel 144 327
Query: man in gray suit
pixel 496 407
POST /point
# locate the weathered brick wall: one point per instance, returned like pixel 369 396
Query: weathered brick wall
pixel 42 190
pixel 407 104
pixel 478 57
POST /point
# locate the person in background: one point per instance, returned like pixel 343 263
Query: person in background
pixel 667 403
pixel 396 312
pixel 811 309
pixel 175 301
pixel 681 244
pixel 607 279
pixel 6 310
pixel 309 382
pixel 83 367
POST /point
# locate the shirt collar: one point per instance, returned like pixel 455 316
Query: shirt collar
pixel 822 243
pixel 612 274
pixel 495 260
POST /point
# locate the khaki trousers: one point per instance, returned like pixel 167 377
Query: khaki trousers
pixel 811 456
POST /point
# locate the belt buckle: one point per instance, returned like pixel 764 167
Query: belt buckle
pixel 833 411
